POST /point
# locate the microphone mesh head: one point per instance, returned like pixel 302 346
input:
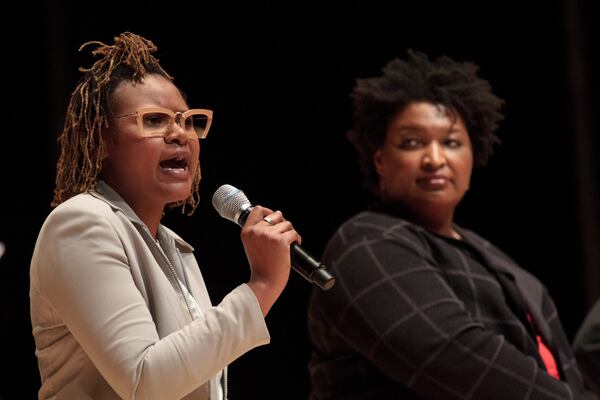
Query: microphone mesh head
pixel 229 202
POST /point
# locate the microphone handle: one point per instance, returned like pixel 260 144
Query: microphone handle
pixel 302 262
pixel 311 269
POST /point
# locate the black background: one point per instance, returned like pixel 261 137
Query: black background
pixel 278 77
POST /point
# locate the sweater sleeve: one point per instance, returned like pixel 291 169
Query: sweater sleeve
pixel 587 347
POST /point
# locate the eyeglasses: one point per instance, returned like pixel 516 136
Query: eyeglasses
pixel 158 121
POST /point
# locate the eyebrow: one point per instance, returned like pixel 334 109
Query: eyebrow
pixel 418 129
pixel 456 129
pixel 409 128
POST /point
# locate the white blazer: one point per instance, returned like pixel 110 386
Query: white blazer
pixel 109 318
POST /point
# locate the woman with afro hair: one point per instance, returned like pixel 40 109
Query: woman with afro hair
pixel 424 308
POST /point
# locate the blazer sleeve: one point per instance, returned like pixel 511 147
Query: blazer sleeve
pixel 84 274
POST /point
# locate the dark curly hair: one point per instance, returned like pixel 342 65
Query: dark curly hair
pixel 129 59
pixel 442 81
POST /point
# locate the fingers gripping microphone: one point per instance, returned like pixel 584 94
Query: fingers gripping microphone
pixel 232 204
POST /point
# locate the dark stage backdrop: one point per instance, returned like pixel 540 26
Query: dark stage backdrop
pixel 278 76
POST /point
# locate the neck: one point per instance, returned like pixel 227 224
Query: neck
pixel 149 210
pixel 150 217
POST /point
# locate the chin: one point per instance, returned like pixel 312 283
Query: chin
pixel 179 192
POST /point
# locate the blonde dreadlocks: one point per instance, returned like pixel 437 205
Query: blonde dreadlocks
pixel 80 162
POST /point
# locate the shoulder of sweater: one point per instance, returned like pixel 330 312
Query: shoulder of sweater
pixel 373 225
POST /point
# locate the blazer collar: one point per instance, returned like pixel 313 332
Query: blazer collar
pixel 104 192
pixel 530 290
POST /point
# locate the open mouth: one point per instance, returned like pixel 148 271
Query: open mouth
pixel 178 162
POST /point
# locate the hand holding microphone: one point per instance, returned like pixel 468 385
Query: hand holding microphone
pixel 233 205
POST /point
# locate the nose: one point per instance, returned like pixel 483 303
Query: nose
pixel 434 157
pixel 176 134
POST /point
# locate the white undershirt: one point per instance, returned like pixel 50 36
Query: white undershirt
pixel 215 383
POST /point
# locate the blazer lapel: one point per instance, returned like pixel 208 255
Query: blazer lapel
pixel 526 291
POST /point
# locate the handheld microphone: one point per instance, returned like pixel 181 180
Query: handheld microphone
pixel 233 205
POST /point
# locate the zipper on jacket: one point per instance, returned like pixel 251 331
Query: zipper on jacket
pixel 177 281
pixel 224 383
pixel 189 306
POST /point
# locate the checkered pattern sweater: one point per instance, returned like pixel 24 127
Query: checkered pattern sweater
pixel 414 315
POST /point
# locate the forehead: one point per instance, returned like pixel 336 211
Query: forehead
pixel 152 91
pixel 425 116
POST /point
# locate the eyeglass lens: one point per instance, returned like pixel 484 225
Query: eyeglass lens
pixel 159 124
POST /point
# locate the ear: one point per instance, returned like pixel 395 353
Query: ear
pixel 106 137
pixel 377 161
